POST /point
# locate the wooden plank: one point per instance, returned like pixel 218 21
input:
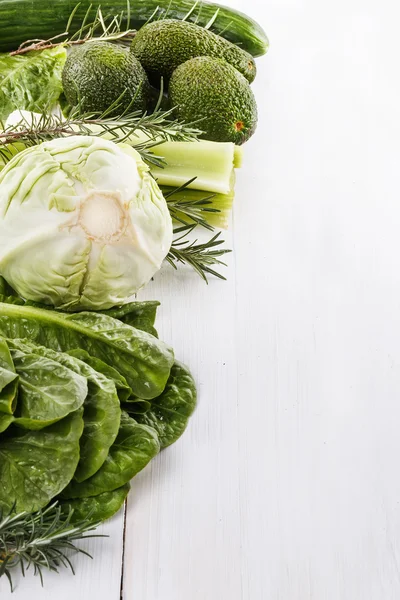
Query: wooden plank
pixel 183 512
pixel 286 486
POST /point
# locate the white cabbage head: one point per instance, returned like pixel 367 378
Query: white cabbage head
pixel 83 225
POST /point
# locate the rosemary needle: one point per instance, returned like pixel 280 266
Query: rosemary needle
pixel 201 257
pixel 42 540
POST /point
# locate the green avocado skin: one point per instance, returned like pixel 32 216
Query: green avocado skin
pixel 161 46
pixel 211 91
pixel 98 73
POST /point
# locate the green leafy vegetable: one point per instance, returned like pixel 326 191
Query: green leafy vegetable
pixel 133 449
pixel 141 358
pixel 5 422
pixel 121 385
pixel 8 380
pixel 77 368
pixel 32 81
pixel 36 465
pixel 141 315
pixel 170 412
pixel 48 390
pixel 101 414
pixel 83 224
pixel 96 508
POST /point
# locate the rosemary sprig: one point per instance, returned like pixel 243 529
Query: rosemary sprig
pixel 200 256
pixel 189 212
pixel 157 127
pixel 42 540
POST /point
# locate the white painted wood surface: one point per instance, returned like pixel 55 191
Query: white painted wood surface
pixel 286 485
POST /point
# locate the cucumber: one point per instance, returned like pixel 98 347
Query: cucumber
pixel 22 20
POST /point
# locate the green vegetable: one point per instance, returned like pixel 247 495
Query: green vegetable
pixel 36 465
pixel 170 412
pixel 83 224
pixel 102 411
pixel 23 20
pixel 8 381
pixel 207 166
pixel 87 458
pixel 211 90
pixel 211 165
pixel 31 81
pixel 141 315
pixel 141 358
pixel 96 508
pixel 120 384
pixel 99 74
pixel 48 390
pixel 133 449
pixel 161 46
pixel 181 202
pixel 5 422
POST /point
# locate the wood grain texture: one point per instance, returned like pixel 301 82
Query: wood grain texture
pixel 286 485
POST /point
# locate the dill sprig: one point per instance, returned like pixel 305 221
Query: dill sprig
pixel 42 540
pixel 200 256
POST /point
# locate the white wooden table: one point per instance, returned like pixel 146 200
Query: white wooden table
pixel 286 485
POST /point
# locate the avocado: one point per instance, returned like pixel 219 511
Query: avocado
pixel 97 74
pixel 215 94
pixel 161 46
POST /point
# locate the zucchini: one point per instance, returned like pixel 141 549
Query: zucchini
pixel 22 20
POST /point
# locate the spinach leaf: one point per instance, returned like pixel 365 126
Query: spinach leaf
pixel 48 391
pixel 141 358
pixel 123 389
pixel 141 315
pixel 133 449
pixel 101 414
pixel 96 508
pixel 170 412
pixel 36 465
pixel 8 380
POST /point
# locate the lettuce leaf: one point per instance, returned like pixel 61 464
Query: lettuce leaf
pixel 8 380
pixel 36 465
pixel 141 358
pixel 133 449
pixel 170 412
pixel 96 508
pixel 102 411
pixel 30 81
